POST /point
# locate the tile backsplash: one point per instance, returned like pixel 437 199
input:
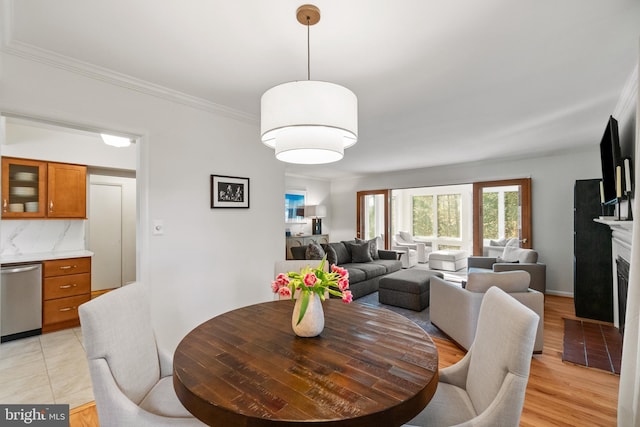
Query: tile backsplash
pixel 19 237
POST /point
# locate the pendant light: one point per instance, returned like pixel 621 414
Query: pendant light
pixel 309 122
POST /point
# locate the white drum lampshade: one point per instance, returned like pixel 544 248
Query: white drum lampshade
pixel 309 122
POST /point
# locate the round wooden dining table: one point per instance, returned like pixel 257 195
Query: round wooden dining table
pixel 369 366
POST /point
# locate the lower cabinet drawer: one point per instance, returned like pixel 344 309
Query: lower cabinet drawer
pixel 67 286
pixel 63 309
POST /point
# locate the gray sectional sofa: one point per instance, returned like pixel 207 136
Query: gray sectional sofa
pixel 363 260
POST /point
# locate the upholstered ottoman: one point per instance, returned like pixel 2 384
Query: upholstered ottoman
pixel 406 288
pixel 448 260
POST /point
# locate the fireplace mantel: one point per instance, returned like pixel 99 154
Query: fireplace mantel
pixel 620 247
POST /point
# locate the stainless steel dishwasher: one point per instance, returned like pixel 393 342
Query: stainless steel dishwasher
pixel 20 301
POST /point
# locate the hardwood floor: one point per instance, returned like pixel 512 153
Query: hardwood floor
pixel 558 393
pixel 84 416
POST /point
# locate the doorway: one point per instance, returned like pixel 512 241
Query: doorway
pixel 26 137
pixel 501 209
pixel 111 229
pixel 373 215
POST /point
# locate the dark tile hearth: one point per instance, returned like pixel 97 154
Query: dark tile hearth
pixel 592 344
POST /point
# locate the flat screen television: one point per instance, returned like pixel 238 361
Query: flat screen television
pixel 610 158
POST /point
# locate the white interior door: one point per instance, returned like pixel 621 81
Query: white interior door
pixel 105 235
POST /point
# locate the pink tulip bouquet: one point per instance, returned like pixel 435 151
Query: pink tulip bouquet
pixel 313 280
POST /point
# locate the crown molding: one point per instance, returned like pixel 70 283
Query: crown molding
pixel 27 51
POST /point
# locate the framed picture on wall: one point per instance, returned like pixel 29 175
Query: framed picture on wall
pixel 229 192
pixel 294 205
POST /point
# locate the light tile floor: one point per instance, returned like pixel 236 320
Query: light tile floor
pixel 50 368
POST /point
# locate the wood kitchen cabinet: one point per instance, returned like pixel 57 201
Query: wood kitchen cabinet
pixel 66 283
pixel 67 191
pixel 37 189
pixel 24 188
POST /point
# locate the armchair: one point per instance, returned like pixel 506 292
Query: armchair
pixel 132 379
pixel 409 256
pixel 513 258
pixel 487 387
pixel 422 247
pixel 455 310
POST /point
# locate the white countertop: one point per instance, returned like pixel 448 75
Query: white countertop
pixel 43 256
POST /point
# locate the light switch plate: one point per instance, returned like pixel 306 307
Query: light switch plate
pixel 158 227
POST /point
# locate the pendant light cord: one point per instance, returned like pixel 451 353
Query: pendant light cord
pixel 308 52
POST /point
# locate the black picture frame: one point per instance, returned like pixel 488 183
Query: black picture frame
pixel 229 192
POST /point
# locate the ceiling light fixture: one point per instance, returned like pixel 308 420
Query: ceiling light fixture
pixel 309 122
pixel 115 141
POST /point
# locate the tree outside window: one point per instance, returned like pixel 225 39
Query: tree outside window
pixel 422 215
pixel 492 212
pixel 449 215
pixel 490 226
pixel 511 214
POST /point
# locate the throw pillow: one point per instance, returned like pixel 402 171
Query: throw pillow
pixel 500 242
pixel 511 254
pixel 360 252
pixel 344 257
pixel 314 251
pixel 508 281
pixel 513 242
pixel 373 246
pixel 332 256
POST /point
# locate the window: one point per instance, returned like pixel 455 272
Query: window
pixel 449 212
pixel 423 215
pixel 501 210
pixel 440 215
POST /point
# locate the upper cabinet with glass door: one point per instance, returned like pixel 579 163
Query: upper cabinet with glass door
pixel 37 189
pixel 23 188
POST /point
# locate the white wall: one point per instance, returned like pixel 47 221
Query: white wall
pixel 206 261
pixel 32 141
pixel 553 178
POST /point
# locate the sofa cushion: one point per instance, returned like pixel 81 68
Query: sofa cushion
pixel 508 281
pixel 314 251
pixel 390 265
pixel 360 252
pixel 342 254
pixel 370 269
pixel 355 274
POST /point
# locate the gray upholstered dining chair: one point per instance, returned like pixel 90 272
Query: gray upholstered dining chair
pixel 132 381
pixel 487 387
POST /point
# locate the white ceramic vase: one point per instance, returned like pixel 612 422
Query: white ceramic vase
pixel 312 323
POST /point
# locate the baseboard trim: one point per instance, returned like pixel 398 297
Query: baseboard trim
pixel 559 293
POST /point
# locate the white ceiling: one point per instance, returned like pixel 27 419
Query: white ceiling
pixel 437 82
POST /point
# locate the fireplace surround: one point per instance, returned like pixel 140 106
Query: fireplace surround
pixel 621 257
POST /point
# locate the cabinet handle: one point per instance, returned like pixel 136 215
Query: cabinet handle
pixel 67 309
pixel 4 205
pixel 73 285
pixel 68 267
pixel 51 206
